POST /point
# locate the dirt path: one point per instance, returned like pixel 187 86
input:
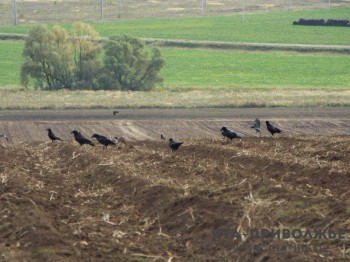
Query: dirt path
pixel 148 124
pixel 226 45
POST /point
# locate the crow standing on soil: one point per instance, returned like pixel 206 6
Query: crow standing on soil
pixel 4 136
pixel 52 136
pixel 228 133
pixel 256 125
pixel 115 112
pixel 174 145
pixel 162 137
pixel 272 129
pixel 81 139
pixel 103 140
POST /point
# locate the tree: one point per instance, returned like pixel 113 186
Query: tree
pixel 36 51
pixel 86 53
pixel 56 60
pixel 47 58
pixel 129 66
pixel 62 58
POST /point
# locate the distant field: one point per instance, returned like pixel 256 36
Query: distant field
pixel 264 27
pixel 211 69
pixel 10 62
pixel 191 69
pixel 207 77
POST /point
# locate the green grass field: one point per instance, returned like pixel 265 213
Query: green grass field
pixel 212 69
pixel 191 69
pixel 10 62
pixel 208 77
pixel 266 27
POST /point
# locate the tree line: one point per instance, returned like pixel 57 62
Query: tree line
pixel 58 59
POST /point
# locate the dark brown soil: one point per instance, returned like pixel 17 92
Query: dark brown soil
pixel 140 202
pixel 148 124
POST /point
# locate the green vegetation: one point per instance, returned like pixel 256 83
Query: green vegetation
pixel 55 59
pixel 190 69
pixel 197 77
pixel 129 66
pixel 267 27
pixel 10 63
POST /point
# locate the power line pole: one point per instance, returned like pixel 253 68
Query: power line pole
pixel 202 5
pixel 14 11
pixel 101 9
pixel 243 9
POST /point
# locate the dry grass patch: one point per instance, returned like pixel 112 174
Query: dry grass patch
pixel 11 99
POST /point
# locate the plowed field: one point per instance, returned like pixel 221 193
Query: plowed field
pixel 141 202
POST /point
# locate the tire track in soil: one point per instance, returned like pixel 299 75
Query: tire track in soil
pixel 149 124
pixel 178 129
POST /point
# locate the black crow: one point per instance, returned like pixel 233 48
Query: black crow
pixel 228 133
pixel 115 112
pixel 272 129
pixel 256 125
pixel 103 140
pixel 81 139
pixel 174 145
pixel 4 136
pixel 52 136
pixel 162 137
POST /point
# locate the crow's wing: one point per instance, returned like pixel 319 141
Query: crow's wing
pixel 229 133
pixel 53 136
pixel 83 140
pixel 175 145
pixel 256 123
pixel 105 141
pixel 278 130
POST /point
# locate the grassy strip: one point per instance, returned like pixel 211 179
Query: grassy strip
pixel 249 46
pixel 10 63
pixel 220 45
pixel 16 99
pixel 210 69
pixel 268 27
pixel 12 37
pixel 188 69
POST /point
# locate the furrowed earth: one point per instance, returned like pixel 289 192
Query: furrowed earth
pixel 141 202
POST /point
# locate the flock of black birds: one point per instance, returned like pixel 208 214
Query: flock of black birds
pixel 227 133
pixel 82 140
pixel 272 129
pixel 256 125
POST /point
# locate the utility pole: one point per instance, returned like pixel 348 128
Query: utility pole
pixel 14 11
pixel 203 5
pixel 243 9
pixel 101 9
pixel 119 8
